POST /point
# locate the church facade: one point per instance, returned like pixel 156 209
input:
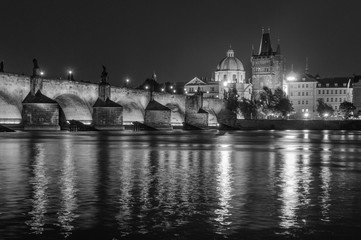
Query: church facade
pixel 267 66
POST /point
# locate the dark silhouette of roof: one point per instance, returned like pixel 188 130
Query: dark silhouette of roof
pixel 106 103
pixel 156 106
pixel 38 98
pixel 336 82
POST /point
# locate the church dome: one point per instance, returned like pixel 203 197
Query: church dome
pixel 230 63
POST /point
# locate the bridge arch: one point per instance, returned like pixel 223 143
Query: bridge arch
pixel 10 113
pixel 73 107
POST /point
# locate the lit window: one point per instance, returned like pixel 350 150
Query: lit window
pixel 336 84
pixel 327 84
pixel 344 84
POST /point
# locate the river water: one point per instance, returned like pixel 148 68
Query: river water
pixel 180 185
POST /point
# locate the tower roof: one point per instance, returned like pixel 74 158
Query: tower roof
pixel 265 47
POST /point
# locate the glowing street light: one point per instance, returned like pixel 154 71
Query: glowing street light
pixel 174 91
pixel 306 115
pixel 42 73
pixel 162 89
pixel 325 115
pixel 146 87
pixel 225 84
pixel 171 87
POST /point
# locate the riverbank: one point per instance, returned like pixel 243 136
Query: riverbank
pixel 298 124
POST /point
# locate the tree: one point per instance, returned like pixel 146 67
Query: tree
pixel 346 109
pixel 232 100
pixel 323 109
pixel 275 103
pixel 248 108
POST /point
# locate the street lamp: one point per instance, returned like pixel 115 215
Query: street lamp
pixel 42 73
pixel 127 81
pixel 146 87
pixel 162 89
pixel 171 87
pixel 70 75
pixel 174 91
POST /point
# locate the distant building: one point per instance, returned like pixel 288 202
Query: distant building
pixel 229 74
pixel 356 96
pixel 304 91
pixel 210 89
pixel 267 67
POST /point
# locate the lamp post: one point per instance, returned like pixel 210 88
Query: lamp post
pixel 127 82
pixel 70 75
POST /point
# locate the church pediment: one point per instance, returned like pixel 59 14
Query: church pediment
pixel 195 81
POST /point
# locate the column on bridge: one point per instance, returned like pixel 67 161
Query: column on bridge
pixel 107 114
pixel 195 115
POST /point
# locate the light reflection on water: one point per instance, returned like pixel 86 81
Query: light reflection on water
pixel 180 185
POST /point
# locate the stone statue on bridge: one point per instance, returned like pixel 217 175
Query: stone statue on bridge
pixel 1 66
pixel 104 76
pixel 36 68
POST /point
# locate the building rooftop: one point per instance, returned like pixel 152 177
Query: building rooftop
pixel 106 103
pixel 335 82
pixel 156 106
pixel 38 98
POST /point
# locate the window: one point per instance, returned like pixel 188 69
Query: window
pixel 335 91
pixel 306 109
pixel 319 85
pixel 344 84
pixel 303 85
pixel 336 84
pixel 303 102
pixel 319 91
pixel 344 99
pixel 191 89
pixel 299 94
pixel 299 102
pixel 326 99
pixel 306 85
pixel 212 89
pixel 327 84
pixel 291 93
pixel 335 99
pixel 344 91
pixel 306 93
pixel 234 77
pixel 326 91
pixel 331 91
pixel 340 99
pixel 306 101
pixel 331 99
pixel 303 93
pixel 225 77
pixel 323 91
pixel 335 107
pixel 298 85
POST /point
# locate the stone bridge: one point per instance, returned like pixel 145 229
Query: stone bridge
pixel 76 100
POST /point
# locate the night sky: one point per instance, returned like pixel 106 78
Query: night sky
pixel 176 39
